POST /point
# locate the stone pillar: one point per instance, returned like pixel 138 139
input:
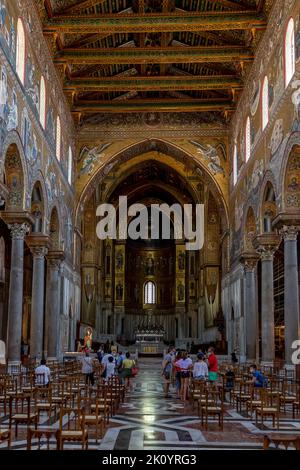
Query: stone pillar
pixel 53 303
pixel 15 301
pixel 250 303
pixel 291 290
pixel 266 244
pixel 267 306
pixel 37 300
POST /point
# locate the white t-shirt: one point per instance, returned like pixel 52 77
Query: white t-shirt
pixel 87 365
pixel 185 364
pixel 200 369
pixel 105 359
pixel 42 369
pixel 110 370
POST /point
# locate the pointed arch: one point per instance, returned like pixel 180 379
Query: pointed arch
pixel 37 207
pixel 268 206
pixel 54 229
pixel 14 178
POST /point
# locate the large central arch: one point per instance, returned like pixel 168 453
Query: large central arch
pixel 177 157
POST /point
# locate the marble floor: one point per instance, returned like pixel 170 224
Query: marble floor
pixel 148 421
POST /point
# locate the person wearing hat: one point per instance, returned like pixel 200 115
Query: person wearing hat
pixel 200 371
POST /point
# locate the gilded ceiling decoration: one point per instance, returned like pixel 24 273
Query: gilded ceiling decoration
pixel 146 56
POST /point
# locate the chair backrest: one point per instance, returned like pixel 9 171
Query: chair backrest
pixel 72 417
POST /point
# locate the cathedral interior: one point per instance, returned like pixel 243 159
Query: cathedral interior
pixel 162 103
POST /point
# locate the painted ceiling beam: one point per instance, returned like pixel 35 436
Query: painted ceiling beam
pixel 162 83
pixel 158 105
pixel 82 5
pixel 159 22
pixel 154 55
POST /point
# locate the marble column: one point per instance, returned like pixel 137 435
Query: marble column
pixel 53 305
pixel 291 290
pixel 37 302
pixel 15 301
pixel 267 306
pixel 251 312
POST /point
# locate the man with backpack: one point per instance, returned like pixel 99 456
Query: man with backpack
pixel 167 366
pixel 258 380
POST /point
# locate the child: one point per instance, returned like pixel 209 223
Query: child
pixel 110 368
pixel 200 371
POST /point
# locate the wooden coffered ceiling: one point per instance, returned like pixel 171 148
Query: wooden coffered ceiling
pixel 126 56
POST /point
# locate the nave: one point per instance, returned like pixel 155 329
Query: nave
pixel 148 421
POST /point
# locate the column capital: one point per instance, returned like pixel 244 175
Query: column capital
pixel 266 245
pixel 39 244
pixel 18 231
pixel 289 232
pixel 249 260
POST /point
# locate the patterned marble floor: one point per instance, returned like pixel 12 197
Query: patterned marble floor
pixel 148 421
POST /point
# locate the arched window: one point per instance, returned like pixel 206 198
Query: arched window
pixel 248 139
pixel 70 165
pixel 149 293
pixel 20 61
pixel 265 103
pixel 235 165
pixel 43 102
pixel 289 52
pixel 58 138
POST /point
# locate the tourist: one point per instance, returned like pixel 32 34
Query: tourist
pixel 186 365
pixel 42 374
pixel 100 354
pixel 212 365
pixel 177 373
pixel 127 367
pixel 200 371
pixel 88 369
pixel 167 366
pixel 234 358
pixel 229 376
pixel 110 368
pixel 104 362
pixel 258 379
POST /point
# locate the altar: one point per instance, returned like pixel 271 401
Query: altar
pixel 149 340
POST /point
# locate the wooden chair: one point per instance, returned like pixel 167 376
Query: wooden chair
pixel 92 415
pixel 78 433
pixel 288 395
pixel 5 435
pixel 214 406
pixel 266 409
pixel 285 441
pixel 104 404
pixel 242 395
pixel 27 416
pixel 296 404
pixel 40 433
pixel 254 401
pixel 44 401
